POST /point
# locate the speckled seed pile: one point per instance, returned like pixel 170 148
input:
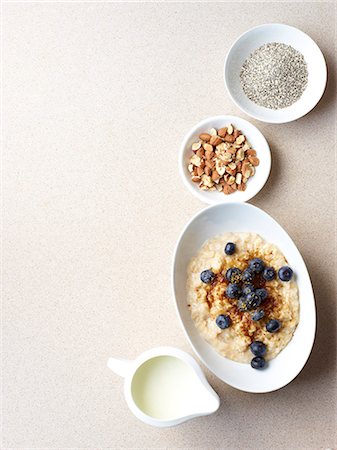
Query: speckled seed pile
pixel 274 76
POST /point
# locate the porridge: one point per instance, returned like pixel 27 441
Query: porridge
pixel 242 297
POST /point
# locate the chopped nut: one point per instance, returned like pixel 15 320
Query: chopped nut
pixel 205 137
pixel 221 147
pixel 220 154
pixel 231 180
pixel 240 154
pixel 254 160
pixel 207 170
pixel 215 176
pixel 238 166
pixel 220 168
pixel 227 189
pixel 242 187
pixel 245 165
pixel 195 179
pixel 207 181
pixel 213 132
pixel 231 171
pixel 251 152
pixel 190 168
pixel 232 165
pixel 238 178
pixel 196 146
pixel 239 140
pixel 202 163
pixel 209 154
pixel 200 153
pixel 200 171
pixel 236 133
pixel 231 150
pixel 227 156
pixel 222 132
pixel 246 146
pixel 215 140
pixel 229 138
pixel 230 129
pixel 234 186
pixel 210 164
pixel 208 147
pixel 195 160
pixel 219 187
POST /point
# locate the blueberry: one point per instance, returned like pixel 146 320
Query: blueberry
pixel 223 321
pixel 242 304
pixel 229 273
pixel 268 273
pixel 258 362
pixel 262 293
pixel 247 276
pixel 207 276
pixel 256 265
pixel 230 248
pixel 253 300
pixel 233 275
pixel 248 289
pixel 273 326
pixel 257 315
pixel 233 291
pixel 285 273
pixel 258 348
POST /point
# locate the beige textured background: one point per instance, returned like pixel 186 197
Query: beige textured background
pixel 97 97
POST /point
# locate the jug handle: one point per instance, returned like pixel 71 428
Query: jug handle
pixel 120 366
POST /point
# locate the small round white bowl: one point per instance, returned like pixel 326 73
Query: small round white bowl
pixel 255 139
pixel 274 32
pixel 243 217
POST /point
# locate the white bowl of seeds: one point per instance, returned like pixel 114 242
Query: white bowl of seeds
pixel 275 73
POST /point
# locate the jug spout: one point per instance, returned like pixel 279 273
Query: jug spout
pixel 206 407
pixel 120 366
pixel 207 400
pixel 211 405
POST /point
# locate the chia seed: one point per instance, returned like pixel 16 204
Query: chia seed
pixel 274 76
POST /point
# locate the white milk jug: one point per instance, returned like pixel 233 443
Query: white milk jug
pixel 165 386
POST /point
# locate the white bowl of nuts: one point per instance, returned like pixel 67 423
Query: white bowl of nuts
pixel 224 159
pixel 275 73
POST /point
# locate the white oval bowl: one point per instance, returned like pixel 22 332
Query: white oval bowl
pixel 275 32
pixel 244 217
pixel 256 140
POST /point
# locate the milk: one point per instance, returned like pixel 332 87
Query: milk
pixel 166 387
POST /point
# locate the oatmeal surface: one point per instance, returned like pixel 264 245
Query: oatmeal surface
pixel 207 301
